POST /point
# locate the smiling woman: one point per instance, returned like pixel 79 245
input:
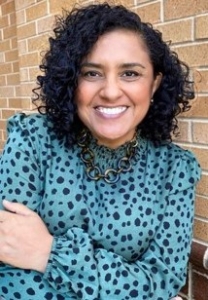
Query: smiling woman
pixel 115 87
pixel 101 202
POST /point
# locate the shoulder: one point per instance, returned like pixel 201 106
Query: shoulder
pixel 172 153
pixel 181 156
pixel 21 122
pixel 180 165
pixel 33 126
pixel 32 131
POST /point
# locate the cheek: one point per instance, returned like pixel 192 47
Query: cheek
pixel 82 95
pixel 82 108
pixel 141 97
pixel 79 99
pixel 141 90
pixel 79 91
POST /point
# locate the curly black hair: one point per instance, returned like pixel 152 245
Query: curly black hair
pixel 76 32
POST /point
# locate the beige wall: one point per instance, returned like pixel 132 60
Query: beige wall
pixel 26 24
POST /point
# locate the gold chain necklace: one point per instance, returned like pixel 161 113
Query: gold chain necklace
pixel 110 175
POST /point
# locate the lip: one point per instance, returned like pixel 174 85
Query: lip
pixel 111 112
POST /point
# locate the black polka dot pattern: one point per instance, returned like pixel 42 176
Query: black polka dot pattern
pixel 128 240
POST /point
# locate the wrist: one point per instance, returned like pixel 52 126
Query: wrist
pixel 43 256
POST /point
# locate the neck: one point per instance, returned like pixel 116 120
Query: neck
pixel 113 143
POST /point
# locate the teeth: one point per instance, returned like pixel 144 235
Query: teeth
pixel 111 110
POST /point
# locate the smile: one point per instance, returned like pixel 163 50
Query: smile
pixel 111 110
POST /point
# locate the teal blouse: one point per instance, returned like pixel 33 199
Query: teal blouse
pixel 126 240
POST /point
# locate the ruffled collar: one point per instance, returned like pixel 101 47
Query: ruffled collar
pixel 106 157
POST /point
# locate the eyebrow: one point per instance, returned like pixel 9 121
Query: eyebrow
pixel 99 66
pixel 91 65
pixel 130 65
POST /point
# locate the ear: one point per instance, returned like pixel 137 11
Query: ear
pixel 157 82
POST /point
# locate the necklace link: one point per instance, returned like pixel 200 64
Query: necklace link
pixel 110 175
pixel 96 170
pixel 125 161
pixel 87 155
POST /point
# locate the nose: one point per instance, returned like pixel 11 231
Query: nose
pixel 111 89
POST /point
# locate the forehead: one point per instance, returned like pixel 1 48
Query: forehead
pixel 119 43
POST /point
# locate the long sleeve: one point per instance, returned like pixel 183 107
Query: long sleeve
pixel 93 273
pixel 159 273
pixel 20 176
pixel 98 229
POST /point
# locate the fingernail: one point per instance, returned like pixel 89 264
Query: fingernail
pixel 5 201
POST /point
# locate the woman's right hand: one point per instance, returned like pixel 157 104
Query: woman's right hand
pixel 25 242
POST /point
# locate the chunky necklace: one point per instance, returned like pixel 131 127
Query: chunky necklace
pixel 110 175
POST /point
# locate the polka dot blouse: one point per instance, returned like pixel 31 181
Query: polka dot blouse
pixel 126 240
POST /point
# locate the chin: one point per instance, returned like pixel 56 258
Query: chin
pixel 113 140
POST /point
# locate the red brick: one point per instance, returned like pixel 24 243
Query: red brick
pixel 15 102
pixel 36 11
pixel 202 206
pixel 26 30
pixel 7 8
pixel 7 91
pixel 46 24
pixel 199 108
pixel 200 133
pixel 31 59
pixel 172 31
pixel 184 131
pixel 202 186
pixel 201 80
pixel 176 9
pixel 4 21
pixel 9 32
pixel 6 113
pixel 150 12
pixel 20 4
pixel 3 103
pixel 201 230
pixel 194 55
pixel 200 286
pixel 56 6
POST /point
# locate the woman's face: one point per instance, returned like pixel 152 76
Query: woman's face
pixel 115 87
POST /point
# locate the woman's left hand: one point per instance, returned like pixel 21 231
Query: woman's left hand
pixel 25 241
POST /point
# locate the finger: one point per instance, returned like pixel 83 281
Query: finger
pixel 4 215
pixel 17 208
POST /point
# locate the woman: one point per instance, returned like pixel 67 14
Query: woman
pixel 105 200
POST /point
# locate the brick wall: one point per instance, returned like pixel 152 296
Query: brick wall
pixel 24 29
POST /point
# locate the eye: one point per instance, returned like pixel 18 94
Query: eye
pixel 90 74
pixel 131 74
